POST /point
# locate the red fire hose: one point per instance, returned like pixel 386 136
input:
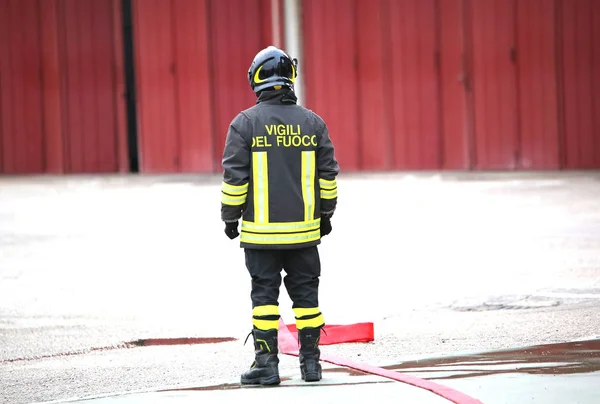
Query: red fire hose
pixel 363 332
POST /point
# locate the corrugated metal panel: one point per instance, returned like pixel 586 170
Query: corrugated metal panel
pixel 376 153
pixel 581 69
pixel 6 114
pixel 494 77
pixel 493 116
pixel 368 66
pixel 538 103
pixel 58 96
pixel 192 83
pixel 51 87
pixel 91 136
pixel 192 58
pixel 22 120
pixel 454 78
pixel 155 76
pixel 595 77
pixel 413 75
pixel 119 94
pixel 390 118
pixel 238 29
pixel 329 73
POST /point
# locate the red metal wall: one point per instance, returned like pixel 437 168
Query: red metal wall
pixel 455 87
pixel 381 106
pixel 537 85
pixel 414 87
pixel 494 84
pixel 402 84
pixel 456 84
pixel 580 63
pixel 172 71
pixel 60 68
pixel 191 62
pixel 374 144
pixel 514 73
pixel 329 72
pixel 238 29
pixel 22 117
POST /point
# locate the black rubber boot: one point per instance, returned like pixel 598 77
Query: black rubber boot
pixel 310 368
pixel 265 368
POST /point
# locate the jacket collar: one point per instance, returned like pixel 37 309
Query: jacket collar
pixel 282 96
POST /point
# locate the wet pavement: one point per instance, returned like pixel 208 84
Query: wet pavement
pixel 90 266
pixel 551 373
pixel 341 389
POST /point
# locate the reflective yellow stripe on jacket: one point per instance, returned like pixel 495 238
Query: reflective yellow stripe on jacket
pixel 284 227
pixel 328 188
pixel 233 194
pixel 308 184
pixel 262 231
pixel 282 238
pixel 260 171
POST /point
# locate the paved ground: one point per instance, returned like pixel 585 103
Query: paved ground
pixel 440 263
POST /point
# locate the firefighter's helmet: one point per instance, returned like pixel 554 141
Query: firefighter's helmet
pixel 272 67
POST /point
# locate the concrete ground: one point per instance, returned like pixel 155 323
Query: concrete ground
pixel 440 263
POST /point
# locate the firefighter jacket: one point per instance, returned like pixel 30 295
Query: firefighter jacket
pixel 279 173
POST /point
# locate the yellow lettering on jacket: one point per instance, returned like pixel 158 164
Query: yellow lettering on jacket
pixel 285 136
pixel 260 141
pixel 283 130
pixel 296 140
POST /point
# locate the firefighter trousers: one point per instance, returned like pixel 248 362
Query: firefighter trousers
pixel 302 267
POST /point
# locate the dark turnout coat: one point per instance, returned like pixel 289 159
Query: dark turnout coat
pixel 279 173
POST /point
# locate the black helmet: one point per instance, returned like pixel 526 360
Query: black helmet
pixel 272 67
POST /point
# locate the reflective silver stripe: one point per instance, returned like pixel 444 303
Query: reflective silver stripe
pixel 328 193
pixel 234 189
pixel 261 187
pixel 280 238
pixel 327 184
pixel 233 200
pixel 281 227
pixel 308 184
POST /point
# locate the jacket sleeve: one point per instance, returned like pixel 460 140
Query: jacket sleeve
pixel 236 170
pixel 327 169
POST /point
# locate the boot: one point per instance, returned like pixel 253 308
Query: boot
pixel 310 368
pixel 265 368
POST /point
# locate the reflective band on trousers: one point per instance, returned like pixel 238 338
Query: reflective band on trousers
pixel 303 311
pixel 310 323
pixel 284 227
pixel 261 186
pixel 283 238
pixel 267 310
pixel 308 184
pixel 265 325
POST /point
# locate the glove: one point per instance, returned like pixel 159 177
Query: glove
pixel 325 225
pixel 231 229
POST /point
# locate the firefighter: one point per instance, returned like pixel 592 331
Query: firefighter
pixel 279 178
